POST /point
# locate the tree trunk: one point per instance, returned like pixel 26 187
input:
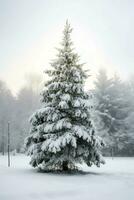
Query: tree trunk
pixel 65 165
pixel 112 153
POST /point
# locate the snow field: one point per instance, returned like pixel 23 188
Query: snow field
pixel 112 181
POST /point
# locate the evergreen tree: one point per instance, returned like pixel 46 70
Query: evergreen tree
pixel 129 94
pixel 62 134
pixel 7 103
pixel 102 116
pixel 113 110
pixel 119 111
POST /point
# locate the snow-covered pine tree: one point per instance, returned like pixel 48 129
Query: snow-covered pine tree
pixel 102 105
pixel 121 110
pixel 111 111
pixel 129 147
pixel 62 134
pixel 101 112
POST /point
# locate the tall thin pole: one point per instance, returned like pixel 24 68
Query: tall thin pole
pixel 3 138
pixel 8 132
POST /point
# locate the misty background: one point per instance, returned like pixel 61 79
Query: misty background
pixel 103 36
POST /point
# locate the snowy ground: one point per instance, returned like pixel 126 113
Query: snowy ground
pixel 113 181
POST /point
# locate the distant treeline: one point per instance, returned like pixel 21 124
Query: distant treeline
pixel 114 113
pixel 17 110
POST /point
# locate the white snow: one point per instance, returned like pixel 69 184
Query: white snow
pixel 113 181
pixel 66 97
pixel 63 105
pixel 55 144
pixel 80 131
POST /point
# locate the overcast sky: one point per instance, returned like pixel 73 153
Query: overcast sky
pixel 103 35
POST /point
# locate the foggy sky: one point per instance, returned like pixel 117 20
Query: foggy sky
pixel 30 30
